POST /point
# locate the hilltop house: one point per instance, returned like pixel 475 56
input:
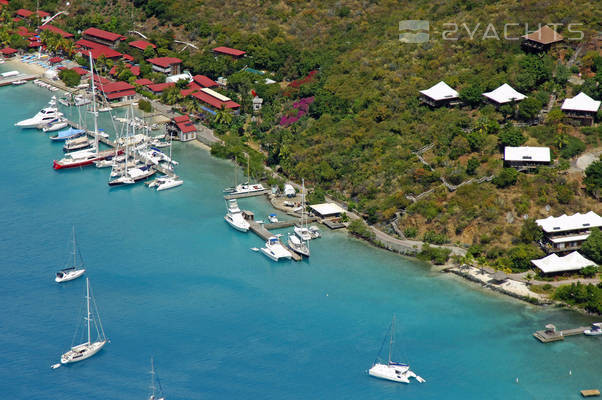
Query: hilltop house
pixel 182 128
pixel 581 108
pixel 526 157
pixel 541 40
pixel 439 95
pixel 97 50
pixel 571 262
pixel 567 232
pixel 52 28
pixel 204 81
pixel 166 65
pixel 103 38
pixel 141 44
pixel 234 53
pixel 503 95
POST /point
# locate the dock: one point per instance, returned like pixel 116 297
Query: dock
pixel 9 80
pixel 249 194
pixel 550 334
pixel 590 393
pixel 264 234
pixel 290 222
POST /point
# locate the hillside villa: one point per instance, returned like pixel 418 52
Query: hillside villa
pixel 567 232
pixel 439 95
pixel 581 108
pixel 526 157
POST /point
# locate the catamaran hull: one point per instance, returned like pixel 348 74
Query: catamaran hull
pixel 82 352
pixel 169 185
pixel 399 374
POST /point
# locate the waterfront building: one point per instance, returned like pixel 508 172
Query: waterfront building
pixel 117 91
pixel 552 263
pixel 102 37
pixel 52 28
pixel 158 88
pixel 503 95
pixel 228 51
pixel 526 157
pixel 97 50
pixel 182 128
pixel 216 100
pixel 204 81
pixel 327 210
pixel 8 52
pixel 567 232
pixel 581 108
pixel 541 40
pixel 439 95
pixel 166 65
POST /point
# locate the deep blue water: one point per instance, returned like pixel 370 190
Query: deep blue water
pixel 174 281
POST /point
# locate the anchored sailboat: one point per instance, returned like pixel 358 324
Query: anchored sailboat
pixel 75 270
pixel 156 389
pixel 89 348
pixel 391 370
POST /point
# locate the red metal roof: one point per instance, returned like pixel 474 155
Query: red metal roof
pixel 232 104
pixel 55 60
pixel 99 33
pixel 159 87
pixel 135 70
pixel 229 51
pixel 142 44
pixel 54 29
pixel 102 50
pixel 43 14
pixel 186 92
pixel 4 2
pixel 87 43
pixel 127 57
pixel 101 80
pixel 164 62
pixel 35 44
pixel 116 87
pixel 186 127
pixel 204 81
pixel 214 102
pixel 117 95
pixel 22 12
pixel 80 70
pixel 8 50
pixel 181 118
pixel 144 82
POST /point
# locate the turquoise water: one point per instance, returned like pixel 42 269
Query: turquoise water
pixel 174 281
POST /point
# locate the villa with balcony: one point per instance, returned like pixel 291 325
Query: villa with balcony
pixel 567 232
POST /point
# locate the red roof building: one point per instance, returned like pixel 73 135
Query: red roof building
pixel 55 60
pixel 204 81
pixel 135 70
pixel 127 57
pixel 216 102
pixel 3 2
pixel 166 65
pixel 229 51
pixel 158 88
pixel 54 29
pixel 101 51
pixel 103 37
pixel 118 91
pixel 80 71
pixel 8 52
pixel 34 44
pixel 182 127
pixel 187 92
pixel 141 44
pixel 43 14
pixel 24 13
pixel 144 82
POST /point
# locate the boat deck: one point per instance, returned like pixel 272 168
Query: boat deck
pixel 264 234
pixel 547 336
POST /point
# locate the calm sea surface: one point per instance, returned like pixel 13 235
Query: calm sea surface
pixel 174 281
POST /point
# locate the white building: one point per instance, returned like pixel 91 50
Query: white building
pixel 526 156
pixel 438 95
pixel 327 210
pixel 571 262
pixel 289 190
pixel 581 107
pixel 504 94
pixel 257 103
pixel 568 232
pixel 175 78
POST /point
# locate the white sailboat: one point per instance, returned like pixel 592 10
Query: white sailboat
pixel 245 187
pixel 275 250
pixel 74 271
pixel 298 246
pixel 302 231
pixel 89 348
pixel 235 218
pixel 156 389
pixel 391 370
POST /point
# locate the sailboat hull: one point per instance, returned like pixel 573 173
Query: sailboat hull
pixel 65 276
pixel 82 352
pixel 395 373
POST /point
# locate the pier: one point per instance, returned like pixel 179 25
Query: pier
pixel 262 230
pixel 9 80
pixel 248 194
pixel 550 334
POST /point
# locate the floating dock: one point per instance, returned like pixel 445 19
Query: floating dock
pixel 249 194
pixel 9 80
pixel 550 334
pixel 290 222
pixel 261 231
pixel 590 393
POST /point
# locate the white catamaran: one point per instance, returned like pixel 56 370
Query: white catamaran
pixel 74 271
pixel 391 370
pixel 89 348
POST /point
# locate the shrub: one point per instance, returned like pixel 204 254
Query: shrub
pixel 593 178
pixel 520 256
pixel 359 228
pixel 410 232
pixel 472 165
pixel 435 238
pixel 530 231
pixel 589 272
pixel 70 77
pixel 145 105
pixel 592 247
pixel 572 148
pixel 506 177
pixel 436 255
pixel 511 136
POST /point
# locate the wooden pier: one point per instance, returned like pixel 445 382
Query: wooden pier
pixel 9 80
pixel 249 194
pixel 550 334
pixel 290 222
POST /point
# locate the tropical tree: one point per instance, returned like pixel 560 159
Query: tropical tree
pixel 223 116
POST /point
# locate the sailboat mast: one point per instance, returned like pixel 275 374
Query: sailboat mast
pixel 88 306
pixel 94 104
pixel 74 248
pixel 391 341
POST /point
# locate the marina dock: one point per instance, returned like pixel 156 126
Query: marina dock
pixel 9 80
pixel 249 194
pixel 550 334
pixel 262 231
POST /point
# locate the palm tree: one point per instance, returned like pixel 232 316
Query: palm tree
pixel 223 116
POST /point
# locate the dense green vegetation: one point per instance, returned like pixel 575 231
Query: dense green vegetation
pixel 592 247
pixel 69 77
pixel 588 297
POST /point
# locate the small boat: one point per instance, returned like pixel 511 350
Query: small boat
pixel 75 270
pixel 55 126
pixel 235 218
pixel 595 330
pixel 314 232
pixel 301 230
pixel 156 389
pixel 303 233
pixel 133 175
pixel 77 144
pixel 87 349
pixel 298 246
pixel 67 133
pixel 246 187
pixel 168 183
pixel 273 218
pixel 391 370
pixel 19 82
pixel 275 250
